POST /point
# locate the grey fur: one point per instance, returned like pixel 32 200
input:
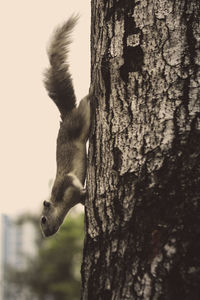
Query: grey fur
pixel 68 188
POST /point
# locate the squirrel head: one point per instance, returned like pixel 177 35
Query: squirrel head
pixel 63 197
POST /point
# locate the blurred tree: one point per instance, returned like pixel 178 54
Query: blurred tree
pixel 55 272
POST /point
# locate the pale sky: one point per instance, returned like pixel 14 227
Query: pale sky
pixel 29 120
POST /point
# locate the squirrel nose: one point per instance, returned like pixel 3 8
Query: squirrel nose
pixel 43 220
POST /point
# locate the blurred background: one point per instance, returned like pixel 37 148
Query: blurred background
pixel 36 268
pixel 32 267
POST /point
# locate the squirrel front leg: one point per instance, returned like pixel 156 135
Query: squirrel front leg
pixel 78 185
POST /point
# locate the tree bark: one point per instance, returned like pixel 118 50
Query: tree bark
pixel 143 179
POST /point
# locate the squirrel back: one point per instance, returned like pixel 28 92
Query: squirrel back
pixel 58 80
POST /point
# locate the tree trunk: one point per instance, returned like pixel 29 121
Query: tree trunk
pixel 143 210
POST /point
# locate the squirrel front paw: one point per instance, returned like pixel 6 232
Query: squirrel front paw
pixel 83 196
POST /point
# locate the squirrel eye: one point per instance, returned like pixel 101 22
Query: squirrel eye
pixel 43 220
pixel 46 203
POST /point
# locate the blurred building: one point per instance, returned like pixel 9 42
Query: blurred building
pixel 16 244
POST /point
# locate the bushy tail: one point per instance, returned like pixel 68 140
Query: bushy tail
pixel 58 80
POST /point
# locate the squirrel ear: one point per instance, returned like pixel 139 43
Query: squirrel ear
pixel 46 203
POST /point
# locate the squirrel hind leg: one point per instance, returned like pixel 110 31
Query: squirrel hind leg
pixel 84 112
pixel 77 123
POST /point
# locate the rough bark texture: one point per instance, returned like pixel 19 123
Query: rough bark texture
pixel 143 209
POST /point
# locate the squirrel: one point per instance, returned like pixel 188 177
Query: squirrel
pixel 73 134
